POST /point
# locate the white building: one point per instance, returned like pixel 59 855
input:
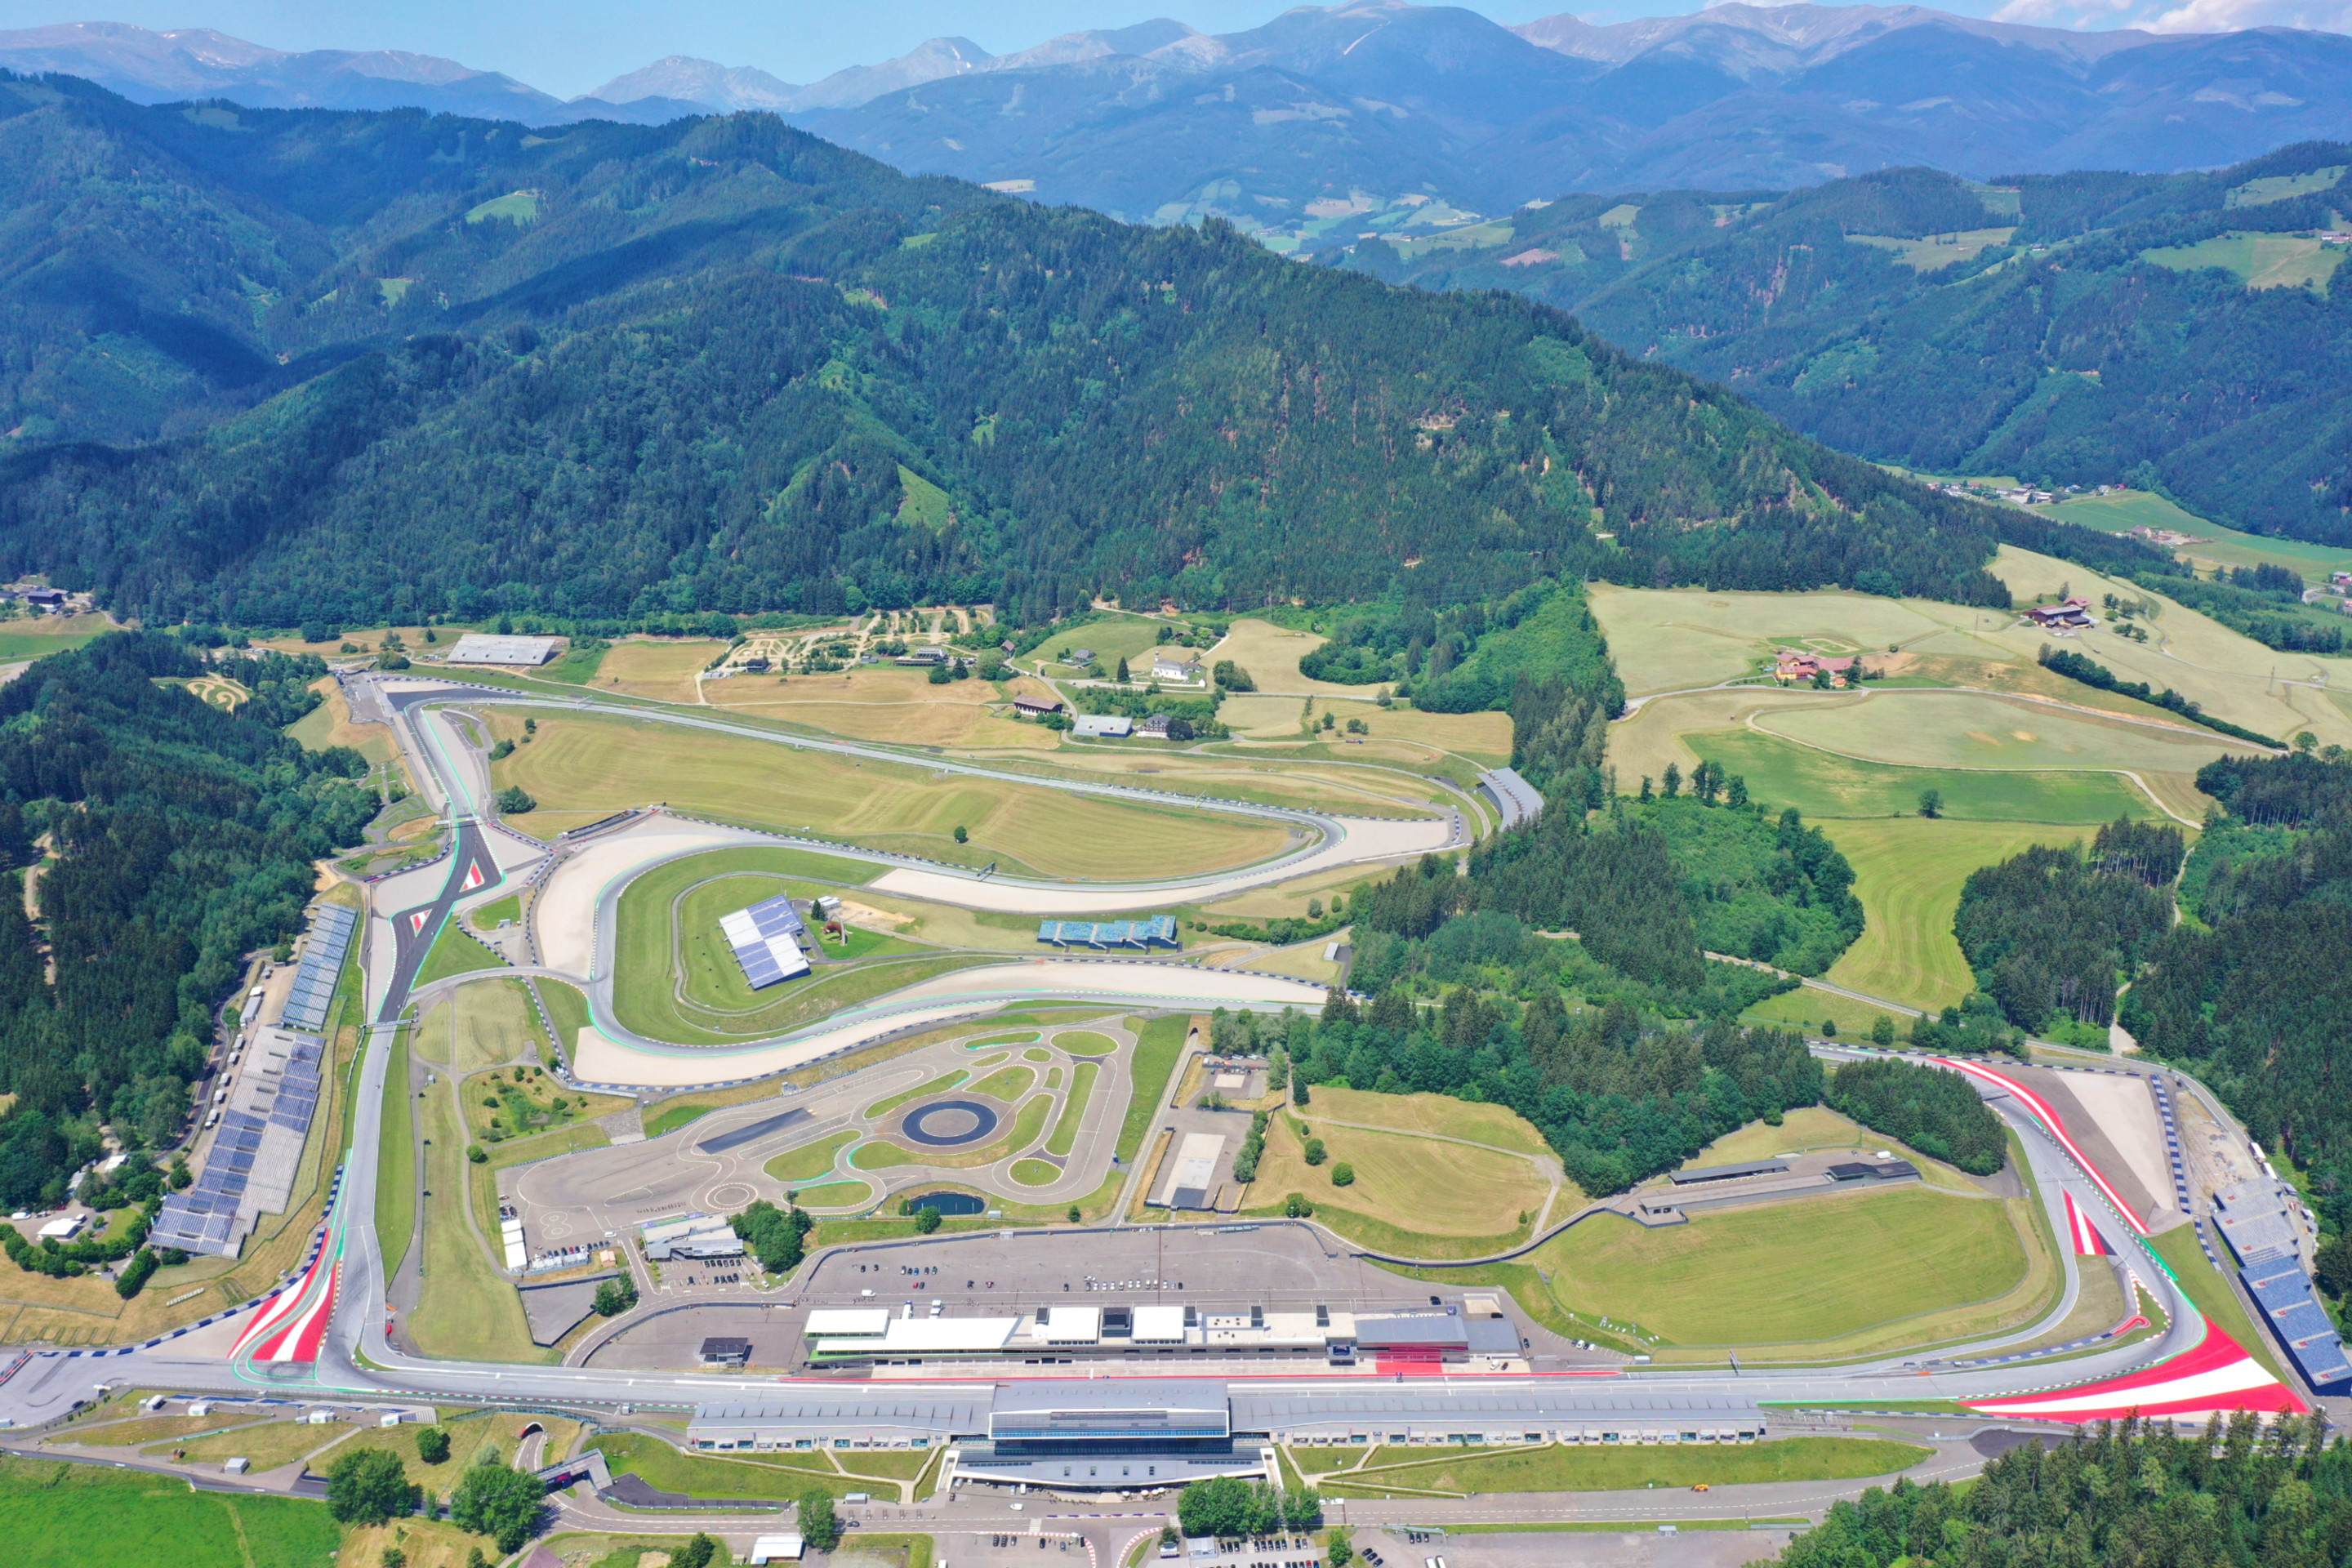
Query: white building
pixel 513 653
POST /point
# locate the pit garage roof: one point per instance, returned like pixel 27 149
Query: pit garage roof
pixel 1373 1331
pixel 916 1335
pixel 1072 1325
pixel 959 1412
pixel 849 1321
pixel 1395 1409
pixel 1158 1325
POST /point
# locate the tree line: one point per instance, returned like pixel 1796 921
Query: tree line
pixel 179 838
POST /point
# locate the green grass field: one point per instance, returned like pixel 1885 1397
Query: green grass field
pixel 58 1515
pixel 777 1476
pixel 2211 1294
pixel 650 962
pixel 1036 1172
pixel 14 645
pixel 608 764
pixel 835 1195
pixel 2218 546
pixel 714 979
pixel 1085 1043
pixel 1780 773
pixel 268 1445
pixel 395 1191
pixel 1791 1273
pixel 810 1160
pixel 1585 1467
pixel 1411 1196
pixel 1907 874
pixel 468 1310
pixel 1007 1084
pixel 1074 1109
pixel 2257 260
pixel 1158 1047
pixel 487 917
pixel 454 953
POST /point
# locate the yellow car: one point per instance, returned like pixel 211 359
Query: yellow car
pixel 1699 1487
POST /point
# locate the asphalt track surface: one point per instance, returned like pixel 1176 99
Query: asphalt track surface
pixel 357 1360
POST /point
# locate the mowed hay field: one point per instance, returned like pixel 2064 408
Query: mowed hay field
pixel 1438 1114
pixel 1411 1194
pixel 1907 873
pixel 330 725
pixel 2231 676
pixel 1664 640
pixel 1820 786
pixel 665 668
pixel 1271 655
pixel 1793 1273
pixel 608 764
pixel 1972 729
pixel 2215 546
pixel 885 704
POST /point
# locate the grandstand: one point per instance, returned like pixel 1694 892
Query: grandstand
pixel 763 937
pixel 251 1166
pixel 1160 931
pixel 331 930
pixel 2254 1217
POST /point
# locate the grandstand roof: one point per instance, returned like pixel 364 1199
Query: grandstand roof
pixel 476 647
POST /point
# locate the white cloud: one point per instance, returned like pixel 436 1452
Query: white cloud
pixel 2188 16
pixel 2230 15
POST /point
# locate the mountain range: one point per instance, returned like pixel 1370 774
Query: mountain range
pixel 262 365
pixel 1303 129
pixel 2185 332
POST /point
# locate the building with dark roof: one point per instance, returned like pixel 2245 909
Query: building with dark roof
pixel 1697 1173
pixel 720 1350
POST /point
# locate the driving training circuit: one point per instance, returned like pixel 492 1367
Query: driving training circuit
pixel 861 1138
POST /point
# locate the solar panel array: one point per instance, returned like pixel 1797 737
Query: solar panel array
pixel 1160 931
pixel 763 937
pixel 251 1164
pixel 331 930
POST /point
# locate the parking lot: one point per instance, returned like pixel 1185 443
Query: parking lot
pixel 1275 1265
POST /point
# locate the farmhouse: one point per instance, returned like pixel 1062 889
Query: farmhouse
pixel 1103 724
pixel 520 653
pixel 1795 664
pixel 1173 664
pixel 2073 616
pixel 1036 707
pixel 1154 728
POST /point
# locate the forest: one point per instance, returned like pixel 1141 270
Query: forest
pixel 1620 1096
pixel 1934 1110
pixel 2054 931
pixel 430 365
pixel 2065 328
pixel 173 839
pixel 2123 1495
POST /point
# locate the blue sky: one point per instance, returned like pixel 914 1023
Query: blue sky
pixel 573 47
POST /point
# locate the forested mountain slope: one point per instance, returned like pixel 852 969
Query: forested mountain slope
pixel 394 364
pixel 2190 329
